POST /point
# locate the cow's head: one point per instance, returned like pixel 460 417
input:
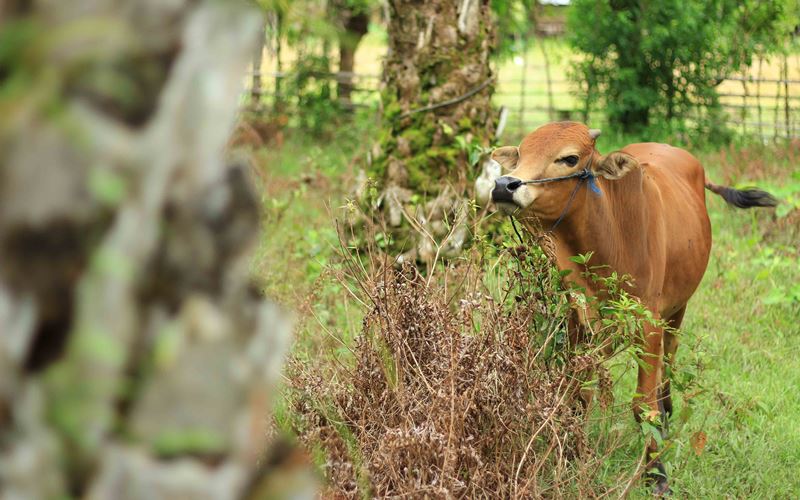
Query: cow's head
pixel 553 150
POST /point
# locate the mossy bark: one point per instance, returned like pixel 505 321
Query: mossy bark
pixel 438 85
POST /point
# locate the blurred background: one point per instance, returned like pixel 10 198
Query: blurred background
pixel 734 63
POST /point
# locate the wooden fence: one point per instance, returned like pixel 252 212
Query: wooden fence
pixel 754 104
pixel 765 107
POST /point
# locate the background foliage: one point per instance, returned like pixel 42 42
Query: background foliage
pixel 652 65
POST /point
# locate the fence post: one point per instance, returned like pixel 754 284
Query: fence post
pixel 786 93
pixel 258 60
pixel 777 109
pixel 550 105
pixel 758 98
pixel 743 114
pixel 523 85
pixel 277 102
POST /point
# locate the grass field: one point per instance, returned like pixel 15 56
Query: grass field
pixel 742 335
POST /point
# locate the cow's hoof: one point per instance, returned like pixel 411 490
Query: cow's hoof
pixel 661 488
pixel 657 476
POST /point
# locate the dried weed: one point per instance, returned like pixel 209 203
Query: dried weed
pixel 455 394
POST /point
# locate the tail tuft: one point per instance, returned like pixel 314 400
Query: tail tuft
pixel 743 198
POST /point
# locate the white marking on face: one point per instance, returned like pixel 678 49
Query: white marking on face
pixel 507 208
pixel 485 183
pixel 524 196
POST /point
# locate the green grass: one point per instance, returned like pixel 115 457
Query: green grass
pixel 747 347
pixel 741 331
pixel 304 184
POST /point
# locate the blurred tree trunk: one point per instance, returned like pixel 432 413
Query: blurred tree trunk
pixel 353 27
pixel 278 104
pixel 256 85
pixel 437 108
pixel 136 359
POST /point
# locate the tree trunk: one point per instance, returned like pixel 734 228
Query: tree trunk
pixel 355 27
pixel 256 84
pixel 278 103
pixel 136 360
pixel 437 114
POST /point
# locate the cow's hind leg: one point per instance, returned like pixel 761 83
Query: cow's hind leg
pixel 670 346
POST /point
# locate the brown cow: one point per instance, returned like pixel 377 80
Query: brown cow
pixel 641 211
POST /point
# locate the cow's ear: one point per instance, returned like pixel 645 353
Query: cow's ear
pixel 507 157
pixel 615 165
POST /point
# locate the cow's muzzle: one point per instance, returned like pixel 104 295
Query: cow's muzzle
pixel 504 188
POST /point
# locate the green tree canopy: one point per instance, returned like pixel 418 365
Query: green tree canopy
pixel 652 63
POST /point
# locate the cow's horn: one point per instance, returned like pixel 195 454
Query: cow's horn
pixel 594 133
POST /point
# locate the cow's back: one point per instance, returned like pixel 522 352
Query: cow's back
pixel 678 216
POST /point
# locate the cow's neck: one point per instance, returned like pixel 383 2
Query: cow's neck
pixel 590 228
pixel 597 225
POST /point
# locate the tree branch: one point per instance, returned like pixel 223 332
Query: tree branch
pixel 449 102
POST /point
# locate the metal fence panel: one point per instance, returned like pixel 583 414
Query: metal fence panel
pixel 753 105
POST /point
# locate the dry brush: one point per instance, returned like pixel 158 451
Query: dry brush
pixel 454 391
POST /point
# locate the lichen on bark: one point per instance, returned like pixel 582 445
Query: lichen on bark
pixel 136 355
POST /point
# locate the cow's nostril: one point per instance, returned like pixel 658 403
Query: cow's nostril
pixel 504 188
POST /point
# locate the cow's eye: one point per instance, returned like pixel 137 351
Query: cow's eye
pixel 570 160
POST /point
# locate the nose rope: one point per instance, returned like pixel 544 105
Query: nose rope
pixel 584 175
pixel 569 203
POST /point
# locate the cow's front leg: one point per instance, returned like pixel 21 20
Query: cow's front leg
pixel 646 404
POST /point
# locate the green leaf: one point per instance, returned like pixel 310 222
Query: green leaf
pixel 776 296
pixel 652 430
pixel 686 413
pixel 474 156
pixel 578 259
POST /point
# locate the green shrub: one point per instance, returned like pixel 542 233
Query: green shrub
pixel 311 101
pixel 654 66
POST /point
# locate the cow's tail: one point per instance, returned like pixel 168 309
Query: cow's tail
pixel 743 198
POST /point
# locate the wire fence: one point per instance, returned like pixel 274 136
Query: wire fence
pixel 755 105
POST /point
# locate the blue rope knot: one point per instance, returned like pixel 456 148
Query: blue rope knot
pixel 590 177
